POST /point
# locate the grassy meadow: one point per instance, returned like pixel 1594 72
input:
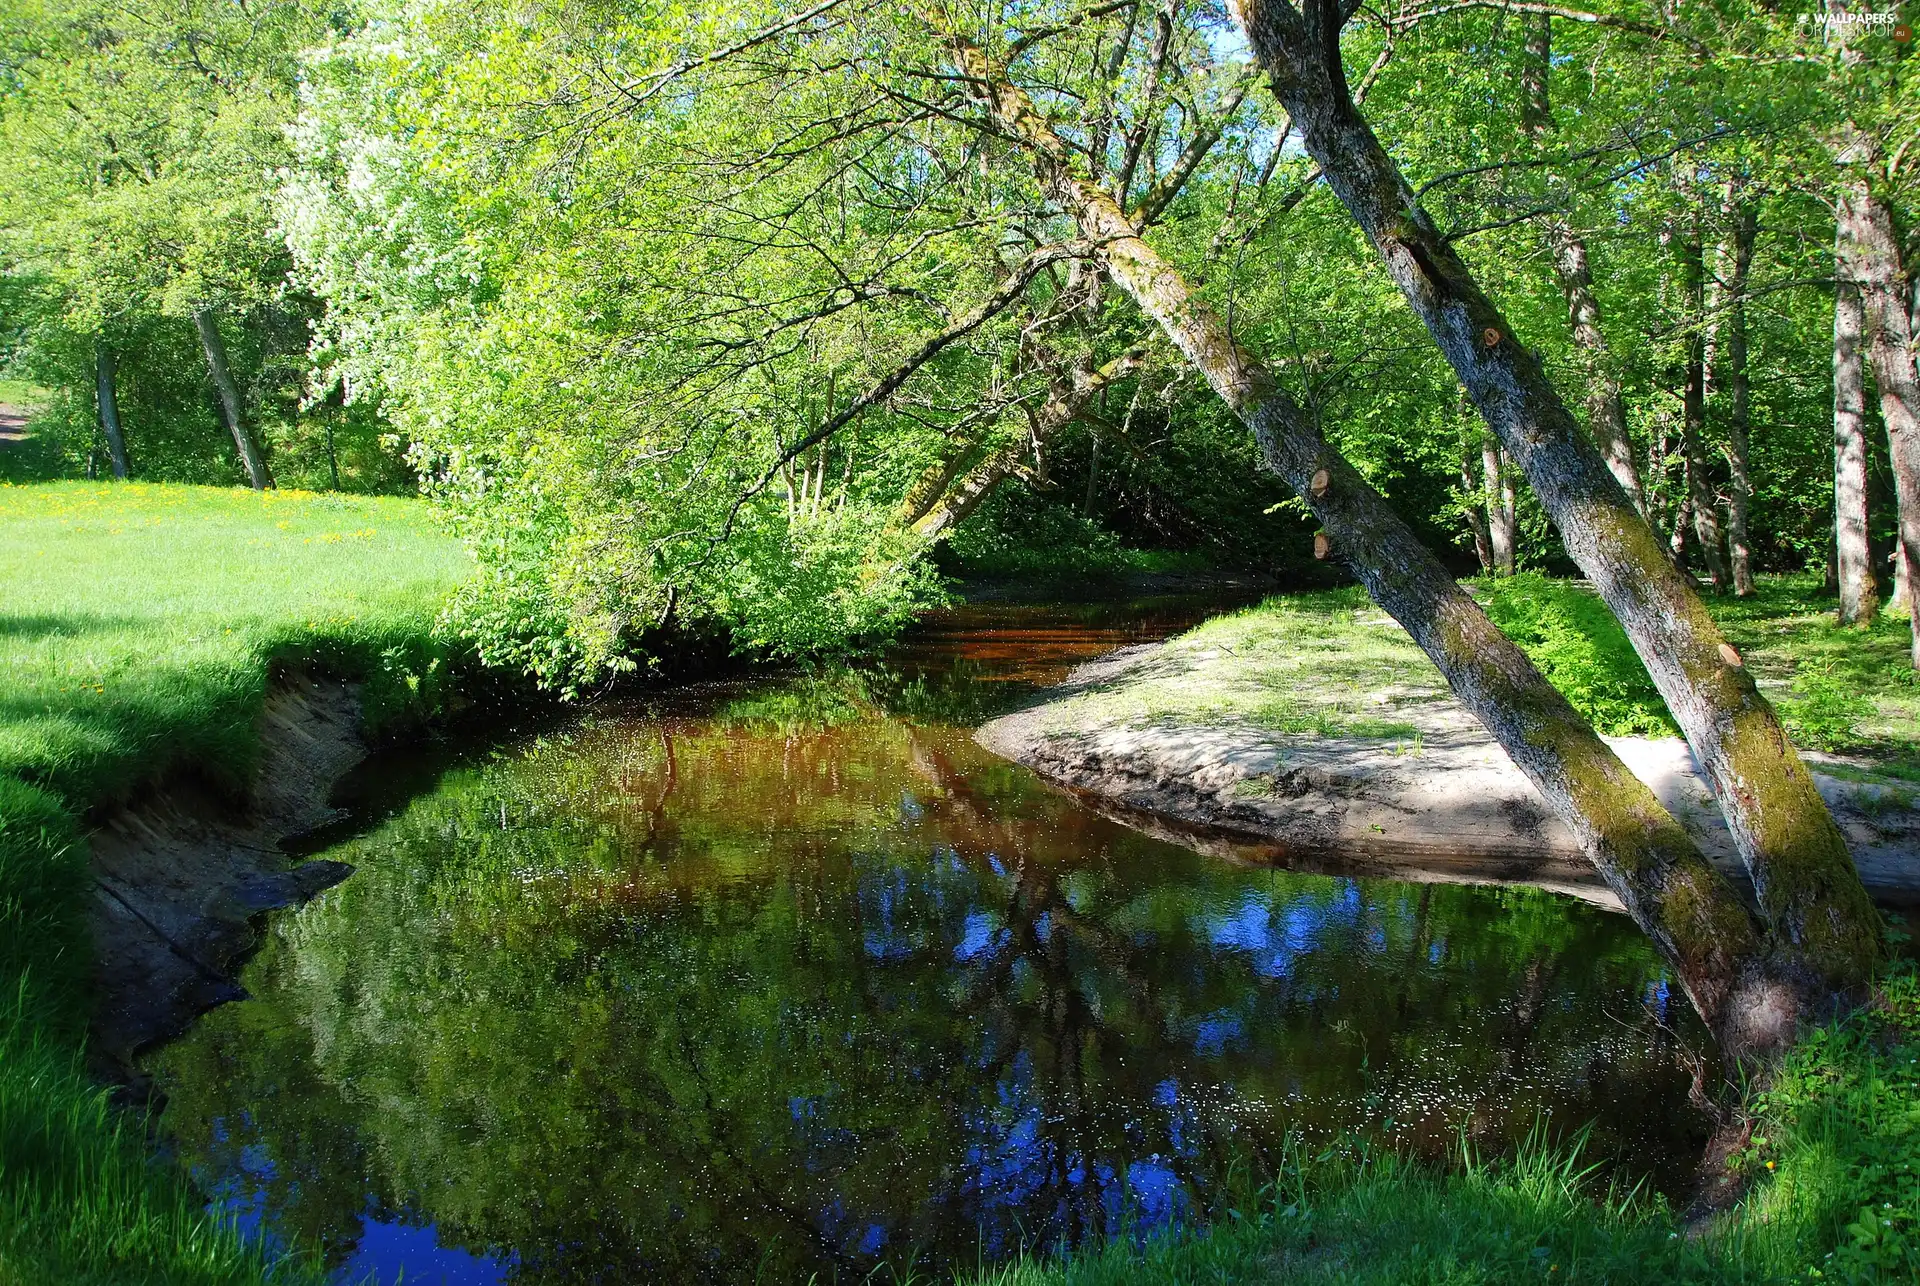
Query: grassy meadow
pixel 137 632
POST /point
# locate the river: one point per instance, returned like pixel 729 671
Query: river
pixel 763 979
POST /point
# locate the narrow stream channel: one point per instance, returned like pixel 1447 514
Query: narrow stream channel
pixel 762 980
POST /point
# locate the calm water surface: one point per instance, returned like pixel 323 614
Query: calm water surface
pixel 757 981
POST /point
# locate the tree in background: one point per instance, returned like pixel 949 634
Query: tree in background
pixel 136 204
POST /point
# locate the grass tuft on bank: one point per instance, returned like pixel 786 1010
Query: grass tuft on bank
pixel 139 629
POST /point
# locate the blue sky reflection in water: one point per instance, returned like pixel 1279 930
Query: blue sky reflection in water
pixel 762 981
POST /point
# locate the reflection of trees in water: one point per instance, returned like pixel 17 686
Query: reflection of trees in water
pixel 673 999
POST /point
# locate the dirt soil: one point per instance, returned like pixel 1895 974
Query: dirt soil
pixel 1445 804
pixel 182 873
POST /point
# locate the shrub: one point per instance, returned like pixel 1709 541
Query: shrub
pixel 1582 650
pixel 1826 709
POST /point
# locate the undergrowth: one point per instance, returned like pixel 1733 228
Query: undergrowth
pixel 1580 647
pixel 1839 689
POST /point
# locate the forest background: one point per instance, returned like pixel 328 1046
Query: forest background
pixel 626 292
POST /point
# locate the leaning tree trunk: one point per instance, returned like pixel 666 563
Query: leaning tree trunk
pixel 216 350
pixel 1883 297
pixel 1739 398
pixel 1692 915
pixel 1853 565
pixel 953 502
pixel 1803 874
pixel 105 365
pixel 1693 410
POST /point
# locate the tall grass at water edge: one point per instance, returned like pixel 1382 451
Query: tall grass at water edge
pixel 1832 1156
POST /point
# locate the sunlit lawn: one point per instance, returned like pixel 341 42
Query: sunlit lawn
pixel 138 618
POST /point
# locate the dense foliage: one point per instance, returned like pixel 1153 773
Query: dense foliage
pixel 679 316
pixel 140 153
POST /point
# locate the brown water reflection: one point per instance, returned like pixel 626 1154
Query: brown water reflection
pixel 762 980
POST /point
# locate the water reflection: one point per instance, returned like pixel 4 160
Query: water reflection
pixel 757 983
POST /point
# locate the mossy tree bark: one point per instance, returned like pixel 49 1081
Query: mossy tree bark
pixel 230 405
pixel 1693 916
pixel 105 366
pixel 1803 874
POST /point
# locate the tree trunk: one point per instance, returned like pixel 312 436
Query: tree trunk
pixel 1606 409
pixel 1093 473
pixel 1853 566
pixel 1476 514
pixel 1690 913
pixel 1883 298
pixel 216 350
pixel 1682 537
pixel 1803 874
pixel 1497 487
pixel 105 364
pixel 1739 396
pixel 1693 410
pixel 932 486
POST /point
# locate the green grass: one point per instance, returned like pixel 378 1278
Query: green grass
pixel 19 393
pixel 137 635
pixel 1849 690
pixel 1325 664
pixel 1842 690
pixel 139 620
pixel 1835 1199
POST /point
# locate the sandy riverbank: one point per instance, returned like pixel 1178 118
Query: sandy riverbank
pixel 1394 779
pixel 181 872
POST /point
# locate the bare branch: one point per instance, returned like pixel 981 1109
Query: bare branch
pixel 1161 194
pixel 639 92
pixel 1003 296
